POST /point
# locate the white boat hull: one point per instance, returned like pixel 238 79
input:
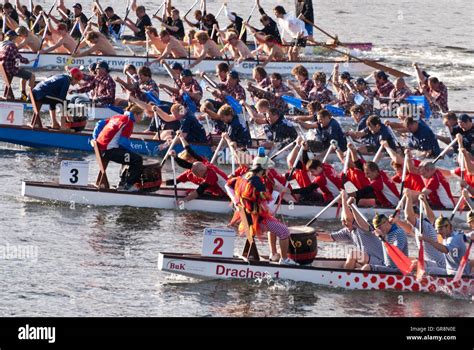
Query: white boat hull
pixel 320 273
pixel 117 63
pixel 164 199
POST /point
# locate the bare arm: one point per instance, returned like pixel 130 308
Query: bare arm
pixel 430 215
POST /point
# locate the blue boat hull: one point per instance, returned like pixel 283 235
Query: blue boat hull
pixel 80 141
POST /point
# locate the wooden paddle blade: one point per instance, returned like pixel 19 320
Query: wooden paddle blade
pixel 403 263
pixel 391 71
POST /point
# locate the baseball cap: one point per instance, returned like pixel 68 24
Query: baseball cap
pixel 346 75
pixel 177 65
pixel 103 64
pixel 464 118
pixel 77 6
pixel 186 73
pixel 381 74
pixel 76 73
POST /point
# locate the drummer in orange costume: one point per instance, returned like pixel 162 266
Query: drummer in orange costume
pixel 250 192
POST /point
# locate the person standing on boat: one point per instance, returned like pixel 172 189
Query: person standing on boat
pixel 102 87
pixel 453 246
pixel 368 247
pixel 250 193
pixel 10 58
pixel 393 234
pixel 304 10
pixel 53 91
pixel 113 139
pixel 422 137
pixel 434 260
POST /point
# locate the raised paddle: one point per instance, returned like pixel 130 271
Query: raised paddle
pixel 448 147
pixel 287 147
pixel 463 263
pixel 35 64
pixel 403 263
pixel 404 175
pixel 192 6
pixel 242 31
pixel 420 265
pixel 378 154
pixel 127 12
pixel 322 211
pixel 175 186
pixel 219 146
pixel 456 207
pixel 330 150
pixel 176 138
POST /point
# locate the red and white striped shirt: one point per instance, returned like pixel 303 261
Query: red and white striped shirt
pixel 329 182
pixel 440 194
pixel 385 190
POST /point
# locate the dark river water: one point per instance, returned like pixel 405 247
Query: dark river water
pixel 88 261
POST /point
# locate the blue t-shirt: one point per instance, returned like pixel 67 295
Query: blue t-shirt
pixel 55 86
pixel 332 132
pixel 456 250
pixel 424 140
pixel 383 134
pixel 193 128
pixel 238 132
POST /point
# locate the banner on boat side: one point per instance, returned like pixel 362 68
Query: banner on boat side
pixel 11 113
pixel 218 242
pixel 74 173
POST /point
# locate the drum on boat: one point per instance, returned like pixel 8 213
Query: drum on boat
pixel 76 123
pixel 303 245
pixel 150 180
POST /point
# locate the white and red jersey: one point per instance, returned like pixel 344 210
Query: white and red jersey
pixel 115 128
pixel 385 190
pixel 357 177
pixel 301 176
pixel 440 195
pixel 466 176
pixel 329 182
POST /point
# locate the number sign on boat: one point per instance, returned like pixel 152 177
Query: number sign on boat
pixel 74 173
pixel 218 242
pixel 11 114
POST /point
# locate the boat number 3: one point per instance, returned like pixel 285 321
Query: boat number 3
pixel 74 176
pixel 219 242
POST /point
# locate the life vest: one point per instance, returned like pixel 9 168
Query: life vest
pixel 115 127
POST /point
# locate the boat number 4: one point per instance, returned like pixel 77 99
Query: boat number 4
pixel 11 115
pixel 74 173
pixel 218 242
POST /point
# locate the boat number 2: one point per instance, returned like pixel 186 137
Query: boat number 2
pixel 74 176
pixel 219 242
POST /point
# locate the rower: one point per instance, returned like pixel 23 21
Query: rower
pixel 138 28
pixel 450 121
pixel 237 132
pixel 10 58
pixel 329 129
pixel 102 87
pixel 209 49
pixel 412 181
pixel 270 27
pixel 422 137
pixel 453 246
pixel 173 24
pixel 156 46
pixel 300 175
pixel 378 132
pixel 239 50
pixel 436 187
pixel 312 115
pixel 466 175
pixel 359 115
pixel 10 12
pixel 189 86
pixel 231 87
pixel 293 32
pixel 199 17
pixel 236 23
pixel 383 86
pixel 272 49
pixel 113 139
pixel 305 84
pixel 141 86
pixel 381 187
pixel 209 22
pixel 252 195
pixel 433 259
pixel 344 88
pixel 53 91
pixel 64 42
pixel 80 21
pixel 368 246
pixel 274 92
pixel 393 234
pixel 191 129
pixel 109 22
pixel 434 90
pixel 278 130
pixel 28 39
pixel 174 47
pixel 400 90
pixel 467 132
pixel 262 80
pixel 98 45
pixel 209 178
pixel 355 173
pixel 363 89
pixel 222 71
pixel 320 92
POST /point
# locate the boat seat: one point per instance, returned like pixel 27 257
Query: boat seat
pixel 102 180
pixel 8 93
pixel 36 121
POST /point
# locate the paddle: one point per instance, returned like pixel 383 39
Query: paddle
pixel 169 150
pixel 378 154
pixel 127 12
pixel 287 147
pixel 444 151
pixel 403 263
pixel 188 101
pixel 219 146
pixel 175 186
pixel 242 31
pixel 35 64
pixel 420 266
pixel 462 264
pixel 309 223
pixel 404 175
pixel 69 60
pixel 330 150
pixel 192 6
pixel 233 103
pixel 159 8
pixel 453 213
pixel 395 138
